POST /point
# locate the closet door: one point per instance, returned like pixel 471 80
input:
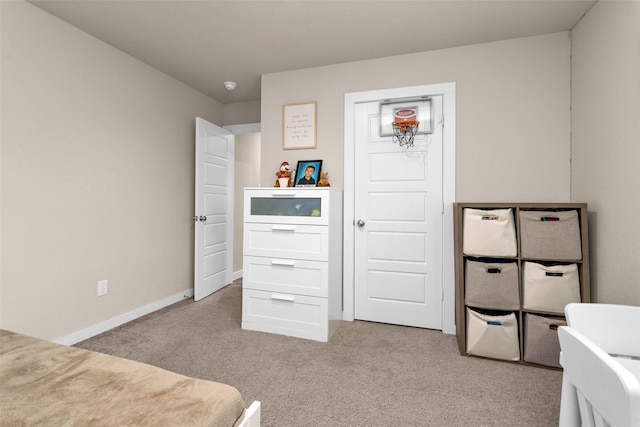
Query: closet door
pixel 398 230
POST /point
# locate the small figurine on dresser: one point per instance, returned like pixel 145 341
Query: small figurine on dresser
pixel 284 176
pixel 324 182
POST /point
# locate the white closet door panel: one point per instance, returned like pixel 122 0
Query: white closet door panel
pixel 397 247
pixel 410 286
pixel 384 207
pixel 389 167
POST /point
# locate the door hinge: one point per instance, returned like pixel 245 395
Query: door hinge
pixel 442 208
pixel 442 121
pixel 441 294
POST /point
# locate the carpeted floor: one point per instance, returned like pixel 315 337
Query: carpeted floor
pixel 368 374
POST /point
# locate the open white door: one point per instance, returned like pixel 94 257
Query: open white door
pixel 213 209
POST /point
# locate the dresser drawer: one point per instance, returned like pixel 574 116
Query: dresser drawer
pixel 291 241
pixel 288 314
pixel 286 275
pixel 311 206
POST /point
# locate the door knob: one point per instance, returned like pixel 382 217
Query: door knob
pixel 360 223
pixel 195 218
pixel 203 218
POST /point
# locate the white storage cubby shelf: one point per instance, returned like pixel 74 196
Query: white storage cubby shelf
pixel 292 261
pixel 517 266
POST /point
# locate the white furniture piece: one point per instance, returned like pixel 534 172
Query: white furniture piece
pixel 252 415
pixel 606 391
pixel 292 263
pixel 597 321
pixel 613 330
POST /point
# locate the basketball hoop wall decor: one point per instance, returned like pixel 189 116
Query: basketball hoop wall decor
pixel 405 126
pixel 403 119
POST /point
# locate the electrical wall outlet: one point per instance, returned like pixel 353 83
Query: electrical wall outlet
pixel 103 287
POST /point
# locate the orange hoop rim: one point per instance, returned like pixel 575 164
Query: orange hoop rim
pixel 406 124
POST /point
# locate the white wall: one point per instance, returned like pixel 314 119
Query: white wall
pixel 513 131
pixel 97 177
pixel 605 70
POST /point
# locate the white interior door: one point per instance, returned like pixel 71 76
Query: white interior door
pixel 213 209
pixel 399 222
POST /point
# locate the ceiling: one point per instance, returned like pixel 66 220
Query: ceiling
pixel 207 42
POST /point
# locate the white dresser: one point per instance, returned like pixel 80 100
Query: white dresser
pixel 292 264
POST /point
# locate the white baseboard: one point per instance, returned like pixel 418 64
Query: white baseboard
pixel 101 327
pixel 236 275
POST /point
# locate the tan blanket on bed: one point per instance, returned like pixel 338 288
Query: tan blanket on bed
pixel 42 383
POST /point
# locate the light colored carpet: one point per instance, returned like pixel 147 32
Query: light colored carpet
pixel 368 375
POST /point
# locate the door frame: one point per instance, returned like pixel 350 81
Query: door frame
pixel 238 213
pixel 448 91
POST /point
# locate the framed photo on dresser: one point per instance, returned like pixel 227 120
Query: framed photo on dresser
pixel 308 173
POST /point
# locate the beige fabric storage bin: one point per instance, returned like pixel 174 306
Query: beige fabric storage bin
pixel 549 288
pixel 541 343
pixel 492 285
pixel 489 233
pixel 550 235
pixel 493 336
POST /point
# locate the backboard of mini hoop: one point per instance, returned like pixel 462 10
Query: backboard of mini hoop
pixel 424 114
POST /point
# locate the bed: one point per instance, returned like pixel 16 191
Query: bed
pixel 43 383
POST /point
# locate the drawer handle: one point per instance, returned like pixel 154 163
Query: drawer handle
pixel 283 228
pixel 288 298
pixel 553 274
pixel 282 194
pixel 287 262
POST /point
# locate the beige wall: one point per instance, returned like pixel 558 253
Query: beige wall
pixel 512 119
pixel 242 112
pixel 97 177
pixel 247 174
pixel 97 153
pixel 606 143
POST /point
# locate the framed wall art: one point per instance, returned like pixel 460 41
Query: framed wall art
pixel 299 126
